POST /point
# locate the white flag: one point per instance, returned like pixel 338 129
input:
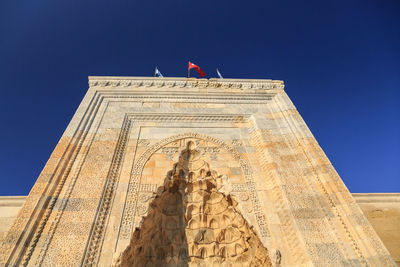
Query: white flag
pixel 158 73
pixel 219 74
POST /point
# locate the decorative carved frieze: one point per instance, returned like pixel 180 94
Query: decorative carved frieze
pixel 183 82
pixel 97 232
pixel 223 98
pixel 191 118
pixel 98 185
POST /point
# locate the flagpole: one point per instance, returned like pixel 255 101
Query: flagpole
pixel 188 71
pixel 155 72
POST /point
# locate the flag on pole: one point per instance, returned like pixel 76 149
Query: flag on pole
pixel 219 74
pixel 197 68
pixel 157 73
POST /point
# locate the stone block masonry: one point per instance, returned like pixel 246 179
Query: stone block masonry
pixel 115 154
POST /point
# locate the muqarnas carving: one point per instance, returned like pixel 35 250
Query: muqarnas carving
pixel 191 223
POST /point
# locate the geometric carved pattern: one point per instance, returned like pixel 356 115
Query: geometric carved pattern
pixel 148 188
pixel 335 234
pixel 190 118
pixel 58 212
pixel 130 206
pixel 335 209
pixel 239 187
pixel 97 231
pixel 198 98
pixel 22 252
pixel 192 222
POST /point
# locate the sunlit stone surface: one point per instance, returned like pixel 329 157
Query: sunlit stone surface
pixel 192 223
pixel 261 162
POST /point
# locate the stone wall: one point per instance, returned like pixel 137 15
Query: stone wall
pixel 382 211
pixel 94 189
pixel 9 208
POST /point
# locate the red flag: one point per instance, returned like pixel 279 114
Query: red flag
pixel 197 68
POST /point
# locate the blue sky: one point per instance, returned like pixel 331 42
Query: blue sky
pixel 340 61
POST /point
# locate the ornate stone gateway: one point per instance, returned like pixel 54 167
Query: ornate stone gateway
pixel 192 222
pixel 126 186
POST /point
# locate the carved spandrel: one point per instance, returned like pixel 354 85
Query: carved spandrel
pixel 144 143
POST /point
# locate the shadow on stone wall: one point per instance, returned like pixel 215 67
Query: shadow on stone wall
pixel 192 223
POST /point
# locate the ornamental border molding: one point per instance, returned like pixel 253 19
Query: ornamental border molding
pixel 195 117
pixel 96 237
pixel 24 257
pixel 224 98
pixel 184 83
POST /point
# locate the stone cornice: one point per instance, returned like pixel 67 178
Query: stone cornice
pixel 12 201
pixel 376 197
pixel 104 81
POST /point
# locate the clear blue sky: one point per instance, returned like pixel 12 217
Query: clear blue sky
pixel 340 61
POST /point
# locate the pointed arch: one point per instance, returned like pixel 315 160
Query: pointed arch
pixel 134 181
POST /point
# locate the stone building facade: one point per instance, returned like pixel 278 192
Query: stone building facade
pixel 254 189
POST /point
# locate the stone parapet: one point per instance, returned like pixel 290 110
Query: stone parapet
pixel 383 212
pixel 9 208
pixel 104 81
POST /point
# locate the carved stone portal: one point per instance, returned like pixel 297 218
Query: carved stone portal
pixel 191 223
